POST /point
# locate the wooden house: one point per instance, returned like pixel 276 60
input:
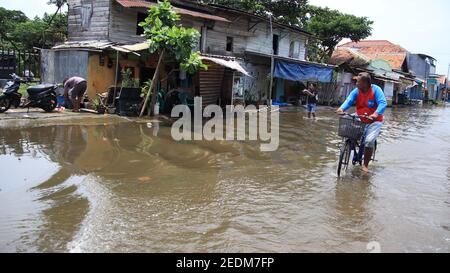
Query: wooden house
pixel 239 47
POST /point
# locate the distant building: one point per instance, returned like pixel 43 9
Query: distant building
pixel 386 62
pixel 402 75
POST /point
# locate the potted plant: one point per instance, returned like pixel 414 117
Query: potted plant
pixel 98 106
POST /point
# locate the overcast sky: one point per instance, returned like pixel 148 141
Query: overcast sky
pixel 417 25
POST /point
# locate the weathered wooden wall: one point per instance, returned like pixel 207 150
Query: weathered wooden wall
pixel 123 24
pixel 95 13
pixel 253 38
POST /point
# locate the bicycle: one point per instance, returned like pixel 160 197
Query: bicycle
pixel 353 131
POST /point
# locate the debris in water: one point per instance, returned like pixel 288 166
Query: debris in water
pixel 144 179
pixel 135 161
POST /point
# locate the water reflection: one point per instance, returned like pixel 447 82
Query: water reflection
pixel 128 186
pixel 354 218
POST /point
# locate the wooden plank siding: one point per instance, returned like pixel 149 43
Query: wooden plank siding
pixel 98 28
pixel 110 21
pixel 123 25
pixel 255 40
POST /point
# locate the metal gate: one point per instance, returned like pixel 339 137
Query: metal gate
pixel 211 81
pixel 23 63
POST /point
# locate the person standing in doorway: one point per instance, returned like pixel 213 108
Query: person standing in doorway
pixel 311 94
pixel 74 89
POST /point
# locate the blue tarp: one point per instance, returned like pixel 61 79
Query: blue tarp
pixel 302 72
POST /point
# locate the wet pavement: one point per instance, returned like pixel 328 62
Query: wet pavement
pixel 99 183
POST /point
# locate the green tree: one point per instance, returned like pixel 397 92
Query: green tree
pixel 8 21
pixel 331 27
pixel 29 33
pixel 19 32
pixel 59 4
pixel 290 12
pixel 41 33
pixel 167 38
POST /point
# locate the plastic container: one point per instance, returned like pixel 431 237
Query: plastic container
pixel 60 101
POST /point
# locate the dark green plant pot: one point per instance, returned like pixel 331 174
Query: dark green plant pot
pixel 101 111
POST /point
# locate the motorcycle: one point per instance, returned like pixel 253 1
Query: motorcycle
pixel 41 96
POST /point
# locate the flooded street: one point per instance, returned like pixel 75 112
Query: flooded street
pixel 123 187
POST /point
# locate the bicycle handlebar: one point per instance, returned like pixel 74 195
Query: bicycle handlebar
pixel 356 115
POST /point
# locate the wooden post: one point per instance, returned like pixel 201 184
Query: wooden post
pixel 271 65
pixel 115 82
pixel 152 86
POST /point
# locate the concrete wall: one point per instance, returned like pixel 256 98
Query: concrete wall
pixel 99 78
pixel 419 66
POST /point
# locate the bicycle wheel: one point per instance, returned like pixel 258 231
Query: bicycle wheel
pixel 344 157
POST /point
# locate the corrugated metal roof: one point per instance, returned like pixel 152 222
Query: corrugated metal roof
pixel 231 63
pixel 137 47
pixel 100 46
pixel 226 61
pixel 147 5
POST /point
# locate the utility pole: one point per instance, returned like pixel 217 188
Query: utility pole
pixel 271 64
pixel 446 82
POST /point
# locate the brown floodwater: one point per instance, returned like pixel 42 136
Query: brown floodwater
pixel 108 186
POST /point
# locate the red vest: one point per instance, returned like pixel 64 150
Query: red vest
pixel 367 104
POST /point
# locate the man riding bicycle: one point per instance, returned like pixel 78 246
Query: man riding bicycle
pixel 371 104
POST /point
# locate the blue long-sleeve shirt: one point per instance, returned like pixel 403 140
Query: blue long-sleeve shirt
pixel 380 99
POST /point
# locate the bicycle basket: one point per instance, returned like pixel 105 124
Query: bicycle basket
pixel 351 128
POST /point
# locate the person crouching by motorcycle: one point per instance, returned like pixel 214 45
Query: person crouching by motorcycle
pixel 74 89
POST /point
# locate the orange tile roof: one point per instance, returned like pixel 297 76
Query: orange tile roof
pixel 442 79
pixel 395 55
pixel 345 55
pixel 395 60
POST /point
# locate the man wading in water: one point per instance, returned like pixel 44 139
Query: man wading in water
pixel 312 100
pixel 370 101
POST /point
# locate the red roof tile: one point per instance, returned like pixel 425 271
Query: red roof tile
pixel 345 55
pixel 442 79
pixel 395 55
